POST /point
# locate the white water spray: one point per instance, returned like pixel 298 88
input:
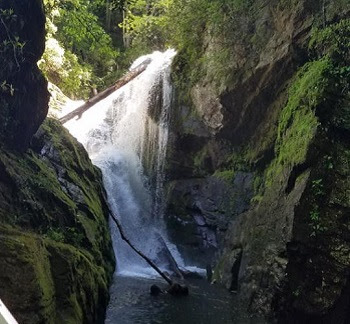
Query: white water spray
pixel 126 135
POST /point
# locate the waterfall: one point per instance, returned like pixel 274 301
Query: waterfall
pixel 126 136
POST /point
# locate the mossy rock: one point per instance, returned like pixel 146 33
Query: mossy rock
pixel 54 223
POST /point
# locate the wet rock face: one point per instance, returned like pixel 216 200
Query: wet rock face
pixel 200 211
pixel 24 98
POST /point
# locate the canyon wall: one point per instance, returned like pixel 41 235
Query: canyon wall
pixel 258 171
pixel 56 256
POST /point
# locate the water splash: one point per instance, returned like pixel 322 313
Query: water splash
pixel 126 135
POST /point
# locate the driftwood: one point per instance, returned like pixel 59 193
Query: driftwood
pixel 149 261
pixel 102 95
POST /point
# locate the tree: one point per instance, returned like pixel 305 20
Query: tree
pixel 79 52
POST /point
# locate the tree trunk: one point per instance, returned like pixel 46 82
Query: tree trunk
pixel 149 261
pixel 102 95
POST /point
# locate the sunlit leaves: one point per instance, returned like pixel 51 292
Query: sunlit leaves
pixel 79 52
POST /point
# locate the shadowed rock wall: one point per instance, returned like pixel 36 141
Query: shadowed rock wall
pixel 56 257
pixel 23 92
pixel 281 117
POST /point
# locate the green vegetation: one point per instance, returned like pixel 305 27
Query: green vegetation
pixel 11 49
pixel 84 52
pixel 69 235
pixel 297 122
pixel 227 175
pixel 317 194
pixel 318 98
pixel 186 26
pixel 11 57
pixel 64 282
pixel 80 54
pixel 54 225
pixel 199 161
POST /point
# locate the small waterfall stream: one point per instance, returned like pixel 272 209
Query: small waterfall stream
pixel 126 135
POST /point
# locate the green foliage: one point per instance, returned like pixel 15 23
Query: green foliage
pixel 333 41
pixel 317 187
pixel 238 161
pixel 145 22
pixel 62 68
pixel 190 25
pixel 81 32
pixel 318 100
pixel 185 25
pixel 79 52
pixel 199 161
pixel 11 50
pixel 89 58
pixel 317 193
pixel 55 234
pixel 258 187
pixel 69 235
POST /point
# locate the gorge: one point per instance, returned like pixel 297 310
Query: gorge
pixel 231 154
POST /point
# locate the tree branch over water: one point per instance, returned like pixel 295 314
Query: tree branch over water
pixel 102 95
pixel 149 261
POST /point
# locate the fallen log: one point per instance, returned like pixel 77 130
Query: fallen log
pixel 105 93
pixel 148 260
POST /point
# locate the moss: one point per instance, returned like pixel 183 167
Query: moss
pixel 27 261
pixel 258 188
pixel 298 121
pixel 84 291
pixel 53 195
pixel 200 161
pixel 55 234
pixel 226 175
pixel 313 93
pixel 206 36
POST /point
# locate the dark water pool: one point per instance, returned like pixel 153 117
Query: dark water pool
pixel 131 303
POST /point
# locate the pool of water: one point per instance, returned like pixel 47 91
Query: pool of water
pixel 131 303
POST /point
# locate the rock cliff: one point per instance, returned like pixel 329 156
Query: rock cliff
pixel 260 158
pixel 56 257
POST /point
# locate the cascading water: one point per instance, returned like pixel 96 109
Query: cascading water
pixel 126 135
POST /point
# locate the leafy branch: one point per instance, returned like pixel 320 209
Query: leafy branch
pixel 13 40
